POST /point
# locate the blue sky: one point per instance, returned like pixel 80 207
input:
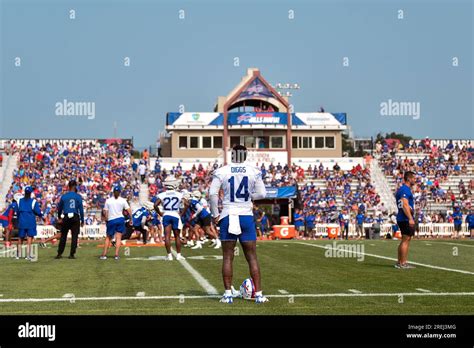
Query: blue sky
pixel 191 62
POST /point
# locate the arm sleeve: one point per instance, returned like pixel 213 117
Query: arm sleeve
pixel 81 210
pixel 214 195
pixel 60 207
pixel 37 209
pixel 260 190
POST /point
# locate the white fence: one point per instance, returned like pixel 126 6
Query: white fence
pixel 426 230
pixel 87 232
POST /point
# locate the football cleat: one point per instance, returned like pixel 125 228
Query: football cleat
pixel 261 299
pixel 103 257
pixel 169 257
pixel 226 299
pixel 235 293
pixel 197 246
pixel 180 257
pixel 407 266
pixel 117 258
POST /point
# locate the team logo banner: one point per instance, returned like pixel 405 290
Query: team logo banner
pixel 256 89
pixel 239 118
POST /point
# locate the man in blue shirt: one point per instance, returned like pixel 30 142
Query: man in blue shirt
pixel 298 219
pixel 457 217
pixel 405 220
pixel 71 217
pixel 470 222
pixel 27 210
pixel 310 220
pixel 359 226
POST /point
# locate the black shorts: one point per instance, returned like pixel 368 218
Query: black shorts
pixel 406 229
pixel 457 228
pixel 204 221
pixel 130 229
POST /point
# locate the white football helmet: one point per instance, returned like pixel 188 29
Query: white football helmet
pixel 171 184
pixel 149 205
pixel 197 194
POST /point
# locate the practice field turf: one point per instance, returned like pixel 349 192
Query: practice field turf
pixel 298 277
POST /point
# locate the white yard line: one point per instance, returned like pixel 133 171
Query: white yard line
pixel 178 297
pixel 354 291
pixel 465 245
pixel 422 290
pixel 196 275
pixel 393 259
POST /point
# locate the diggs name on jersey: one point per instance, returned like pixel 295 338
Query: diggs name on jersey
pixel 237 169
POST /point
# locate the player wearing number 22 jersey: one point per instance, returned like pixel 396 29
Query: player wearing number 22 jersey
pixel 168 205
pixel 241 184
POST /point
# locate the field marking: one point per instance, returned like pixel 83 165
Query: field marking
pixel 469 246
pixel 422 290
pixel 196 275
pixel 354 291
pixel 178 297
pixel 393 259
pixel 283 291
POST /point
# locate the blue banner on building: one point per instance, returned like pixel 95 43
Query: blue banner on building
pixel 281 192
pixel 256 89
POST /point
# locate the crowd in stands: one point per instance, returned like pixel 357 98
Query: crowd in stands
pixel 437 165
pixel 338 184
pixel 344 195
pixel 97 167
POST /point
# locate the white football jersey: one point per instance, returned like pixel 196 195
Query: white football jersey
pixel 240 182
pixel 204 204
pixel 171 202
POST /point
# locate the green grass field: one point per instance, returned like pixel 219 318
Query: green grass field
pixel 298 277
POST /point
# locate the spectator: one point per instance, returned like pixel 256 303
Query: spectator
pixel 359 224
pixel 142 171
pixel 298 220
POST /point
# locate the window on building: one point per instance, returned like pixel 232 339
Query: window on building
pixel 217 142
pixel 294 142
pixel 277 142
pixel 206 142
pixel 249 141
pixel 234 141
pixel 330 142
pixel 183 142
pixel 194 142
pixel 263 142
pixel 319 142
pixel 306 142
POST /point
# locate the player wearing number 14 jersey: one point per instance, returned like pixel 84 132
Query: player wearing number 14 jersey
pixel 170 201
pixel 241 184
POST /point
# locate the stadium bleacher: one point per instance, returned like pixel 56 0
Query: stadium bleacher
pixel 445 173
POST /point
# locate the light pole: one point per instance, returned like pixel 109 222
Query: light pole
pixel 280 88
